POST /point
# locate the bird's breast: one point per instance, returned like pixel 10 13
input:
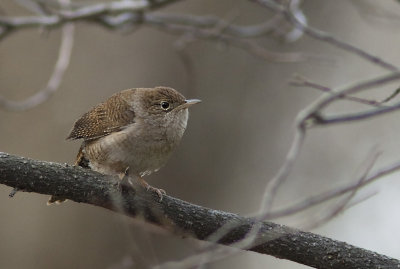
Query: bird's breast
pixel 141 147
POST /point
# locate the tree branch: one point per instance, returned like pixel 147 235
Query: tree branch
pixel 289 11
pixel 180 217
pixel 61 66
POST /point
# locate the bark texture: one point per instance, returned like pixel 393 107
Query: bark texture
pixel 180 217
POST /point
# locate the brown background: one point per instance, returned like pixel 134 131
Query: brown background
pixel 236 139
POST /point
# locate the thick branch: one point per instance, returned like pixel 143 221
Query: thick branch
pixel 180 217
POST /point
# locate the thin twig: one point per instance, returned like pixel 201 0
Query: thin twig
pixel 301 81
pixel 358 116
pixel 117 14
pixel 91 12
pixel 215 253
pixel 341 206
pixel 302 121
pixel 195 32
pixel 390 97
pixel 283 173
pixel 312 114
pixel 326 196
pixel 321 35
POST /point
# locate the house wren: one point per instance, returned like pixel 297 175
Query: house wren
pixel 132 133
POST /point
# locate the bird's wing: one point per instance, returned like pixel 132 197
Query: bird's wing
pixel 110 116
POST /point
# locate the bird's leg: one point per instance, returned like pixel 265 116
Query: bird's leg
pixel 125 182
pixel 124 177
pixel 160 192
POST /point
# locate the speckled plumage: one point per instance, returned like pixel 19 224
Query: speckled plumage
pixel 104 118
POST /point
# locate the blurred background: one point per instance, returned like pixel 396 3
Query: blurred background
pixel 236 139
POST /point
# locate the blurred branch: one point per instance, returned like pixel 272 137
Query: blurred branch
pixel 118 13
pixel 124 14
pixel 211 28
pixel 191 26
pixel 338 208
pixel 308 117
pixel 64 56
pixel 182 218
pixel 313 114
pixel 291 11
pixel 214 252
pixel 374 12
pixel 60 16
pixel 301 81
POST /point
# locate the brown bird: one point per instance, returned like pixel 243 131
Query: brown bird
pixel 132 133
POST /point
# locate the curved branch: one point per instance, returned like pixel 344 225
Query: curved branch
pixel 61 66
pixel 180 217
pixel 92 12
pixel 289 12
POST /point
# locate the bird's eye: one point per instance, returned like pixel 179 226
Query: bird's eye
pixel 164 105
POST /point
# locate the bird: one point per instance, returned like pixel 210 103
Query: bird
pixel 131 134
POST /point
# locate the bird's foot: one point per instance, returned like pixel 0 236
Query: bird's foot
pixel 160 192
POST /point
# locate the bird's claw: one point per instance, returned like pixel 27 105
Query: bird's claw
pixel 148 187
pixel 160 192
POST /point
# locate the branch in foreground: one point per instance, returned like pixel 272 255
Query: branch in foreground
pixel 180 217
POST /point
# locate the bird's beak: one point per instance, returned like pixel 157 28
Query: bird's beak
pixel 188 103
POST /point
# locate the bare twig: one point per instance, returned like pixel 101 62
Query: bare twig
pixel 329 119
pixel 32 6
pixel 344 205
pixel 274 184
pixel 305 118
pixel 216 24
pixel 296 33
pixel 290 11
pixel 133 13
pixel 115 15
pixel 341 206
pixel 375 12
pixel 312 114
pixel 390 97
pixel 94 12
pixel 325 196
pixel 233 35
pixel 215 253
pixel 301 81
